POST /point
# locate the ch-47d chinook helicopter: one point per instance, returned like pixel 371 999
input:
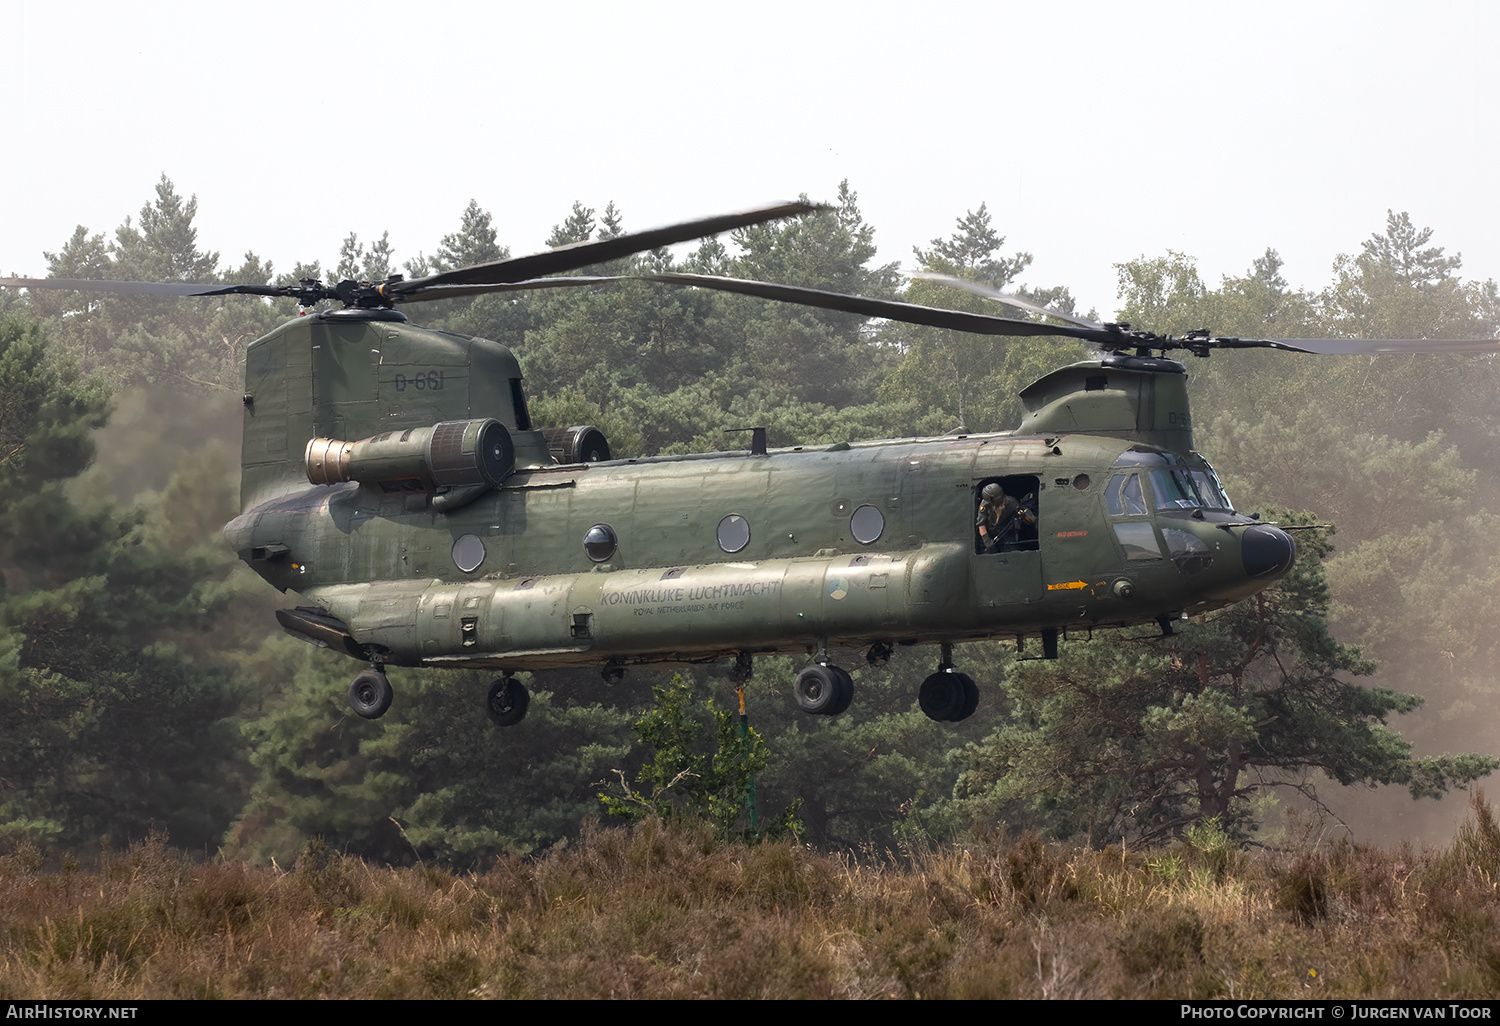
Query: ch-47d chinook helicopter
pixel 394 480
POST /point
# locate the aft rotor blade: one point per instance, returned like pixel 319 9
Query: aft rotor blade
pixel 582 254
pixel 1019 303
pixel 911 313
pixel 119 288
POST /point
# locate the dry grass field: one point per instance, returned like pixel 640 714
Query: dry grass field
pixel 656 911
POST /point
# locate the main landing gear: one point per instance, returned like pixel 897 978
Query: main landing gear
pixel 823 689
pixel 948 696
pixel 507 701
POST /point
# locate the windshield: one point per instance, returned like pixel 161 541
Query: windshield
pixel 1209 489
pixel 1174 490
pixel 1177 483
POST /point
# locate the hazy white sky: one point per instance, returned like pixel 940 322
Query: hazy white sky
pixel 1095 131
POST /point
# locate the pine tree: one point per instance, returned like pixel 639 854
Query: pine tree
pixel 475 242
pixel 113 726
pixel 952 380
pixel 1138 741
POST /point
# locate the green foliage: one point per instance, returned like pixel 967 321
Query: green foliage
pixel 1140 742
pixel 972 252
pixel 1211 846
pixel 432 779
pixel 118 717
pixel 1399 287
pixel 140 340
pixel 1163 294
pixel 961 380
pixel 46 413
pixel 474 243
pixel 358 263
pixel 867 780
pixel 697 770
pixel 814 356
pixel 1396 450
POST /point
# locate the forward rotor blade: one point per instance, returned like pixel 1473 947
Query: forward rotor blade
pixel 582 254
pixel 1315 346
pixel 1358 346
pixel 1000 297
pixel 436 292
pixel 932 316
pixel 957 320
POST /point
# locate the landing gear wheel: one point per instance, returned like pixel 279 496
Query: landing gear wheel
pixel 507 701
pixel 971 697
pixel 846 691
pixel 819 690
pixel 948 696
pixel 370 695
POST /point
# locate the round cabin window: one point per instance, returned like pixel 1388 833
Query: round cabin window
pixel 600 542
pixel 866 524
pixel 468 553
pixel 734 533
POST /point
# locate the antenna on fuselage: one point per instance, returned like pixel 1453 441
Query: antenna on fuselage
pixel 757 439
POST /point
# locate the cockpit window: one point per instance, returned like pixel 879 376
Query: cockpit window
pixel 1209 488
pixel 1213 495
pixel 1174 490
pixel 1123 496
pixel 1178 482
pixel 1138 539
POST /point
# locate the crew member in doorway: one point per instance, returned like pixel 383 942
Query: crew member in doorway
pixel 1000 517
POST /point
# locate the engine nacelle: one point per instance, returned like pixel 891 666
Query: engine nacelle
pixel 456 454
pixel 582 444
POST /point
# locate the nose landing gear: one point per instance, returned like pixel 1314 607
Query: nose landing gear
pixel 370 695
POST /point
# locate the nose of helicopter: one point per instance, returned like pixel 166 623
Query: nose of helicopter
pixel 1268 552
